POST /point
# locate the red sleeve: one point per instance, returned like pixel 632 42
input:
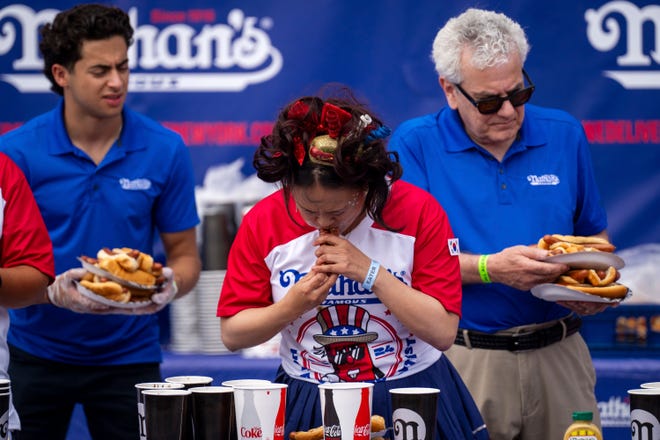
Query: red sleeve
pixel 247 280
pixel 436 270
pixel 25 239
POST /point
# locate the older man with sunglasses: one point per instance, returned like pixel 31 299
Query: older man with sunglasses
pixel 508 173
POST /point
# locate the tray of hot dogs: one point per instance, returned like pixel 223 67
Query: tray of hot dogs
pixel 593 273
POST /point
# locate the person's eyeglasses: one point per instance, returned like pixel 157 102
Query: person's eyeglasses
pixel 492 105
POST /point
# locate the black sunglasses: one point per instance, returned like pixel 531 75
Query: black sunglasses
pixel 488 106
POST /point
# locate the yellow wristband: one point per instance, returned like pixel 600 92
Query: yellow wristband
pixel 483 269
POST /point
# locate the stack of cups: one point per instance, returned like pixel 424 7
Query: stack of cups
pixel 189 382
pixel 260 410
pixel 5 397
pixel 645 411
pixel 414 413
pixel 140 387
pixel 346 410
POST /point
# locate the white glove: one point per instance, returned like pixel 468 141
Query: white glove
pixel 63 293
pixel 169 289
pixel 160 299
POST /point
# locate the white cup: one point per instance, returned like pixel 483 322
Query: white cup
pixel 346 410
pixel 260 411
pixel 233 382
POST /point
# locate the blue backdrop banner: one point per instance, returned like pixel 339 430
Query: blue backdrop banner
pixel 218 72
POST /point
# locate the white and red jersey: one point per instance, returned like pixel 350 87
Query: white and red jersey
pixel 353 336
pixel 24 240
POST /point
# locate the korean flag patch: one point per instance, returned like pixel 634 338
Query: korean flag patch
pixel 454 248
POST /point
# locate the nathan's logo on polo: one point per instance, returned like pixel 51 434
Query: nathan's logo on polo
pixel 209 57
pixel 622 20
pixel 545 179
pixel 135 184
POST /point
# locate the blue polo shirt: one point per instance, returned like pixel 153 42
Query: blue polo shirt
pixel 544 185
pixel 144 185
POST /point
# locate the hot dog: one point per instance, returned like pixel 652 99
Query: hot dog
pixel 331 231
pixel 108 289
pixel 565 244
pixel 592 281
pixel 595 282
pixel 377 425
pixel 126 264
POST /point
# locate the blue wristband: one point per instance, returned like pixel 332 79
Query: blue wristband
pixel 370 279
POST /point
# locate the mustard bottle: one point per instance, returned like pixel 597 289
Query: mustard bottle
pixel 583 428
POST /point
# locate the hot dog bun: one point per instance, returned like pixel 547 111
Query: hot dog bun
pixel 594 282
pixel 331 231
pixel 574 243
pixel 113 266
pixel 613 291
pixel 377 425
pixel 108 289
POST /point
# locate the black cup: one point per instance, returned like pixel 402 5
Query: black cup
pixel 4 414
pixel 212 412
pixel 644 413
pixel 140 400
pixel 414 413
pixel 164 413
pixel 189 382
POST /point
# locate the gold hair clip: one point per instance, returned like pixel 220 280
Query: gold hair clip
pixel 322 150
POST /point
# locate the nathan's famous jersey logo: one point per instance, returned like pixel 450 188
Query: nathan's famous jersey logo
pixel 345 290
pixel 178 57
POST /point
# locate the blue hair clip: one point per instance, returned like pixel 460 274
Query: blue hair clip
pixel 379 133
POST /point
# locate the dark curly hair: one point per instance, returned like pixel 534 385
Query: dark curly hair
pixel 361 159
pixel 61 40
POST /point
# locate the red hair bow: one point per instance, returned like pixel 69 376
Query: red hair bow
pixel 298 110
pixel 333 119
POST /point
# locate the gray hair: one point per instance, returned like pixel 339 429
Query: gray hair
pixel 494 38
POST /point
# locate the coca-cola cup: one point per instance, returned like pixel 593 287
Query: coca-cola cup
pixel 234 382
pixel 233 435
pixel 164 412
pixel 414 413
pixel 346 410
pixel 140 400
pixel 260 411
pixel 644 413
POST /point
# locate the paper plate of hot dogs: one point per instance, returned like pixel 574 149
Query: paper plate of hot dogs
pixel 125 303
pixel 556 292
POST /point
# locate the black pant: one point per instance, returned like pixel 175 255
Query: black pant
pixel 45 393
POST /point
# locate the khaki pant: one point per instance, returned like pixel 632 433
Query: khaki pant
pixel 529 395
